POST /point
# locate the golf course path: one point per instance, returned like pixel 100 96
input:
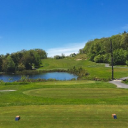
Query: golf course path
pixel 119 83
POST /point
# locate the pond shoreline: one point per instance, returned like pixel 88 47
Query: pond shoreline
pixel 29 72
pixel 38 77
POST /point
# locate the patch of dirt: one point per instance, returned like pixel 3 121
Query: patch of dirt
pixel 78 59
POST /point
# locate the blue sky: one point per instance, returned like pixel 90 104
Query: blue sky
pixel 58 26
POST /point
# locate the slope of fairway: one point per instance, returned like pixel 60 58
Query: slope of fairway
pixel 49 64
pixel 95 70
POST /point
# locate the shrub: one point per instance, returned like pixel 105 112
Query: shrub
pixel 98 59
pixel 127 62
pixel 78 71
pixel 1 82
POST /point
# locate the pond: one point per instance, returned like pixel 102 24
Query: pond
pixel 50 75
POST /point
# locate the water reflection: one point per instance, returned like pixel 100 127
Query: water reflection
pixel 50 75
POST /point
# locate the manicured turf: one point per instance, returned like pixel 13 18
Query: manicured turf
pixel 63 93
pixel 77 93
pixel 64 116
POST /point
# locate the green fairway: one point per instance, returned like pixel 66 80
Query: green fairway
pixel 60 63
pixel 95 70
pixel 63 104
pixel 65 116
pixel 63 93
pixel 78 93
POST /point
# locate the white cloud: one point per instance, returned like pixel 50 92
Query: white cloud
pixel 66 50
pixel 125 27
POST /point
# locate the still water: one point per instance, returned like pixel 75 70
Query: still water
pixel 50 75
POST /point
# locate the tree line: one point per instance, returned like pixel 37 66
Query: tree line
pixel 99 50
pixel 62 56
pixel 22 60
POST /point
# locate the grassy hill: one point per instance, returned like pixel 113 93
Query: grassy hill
pixel 66 63
pixel 95 70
